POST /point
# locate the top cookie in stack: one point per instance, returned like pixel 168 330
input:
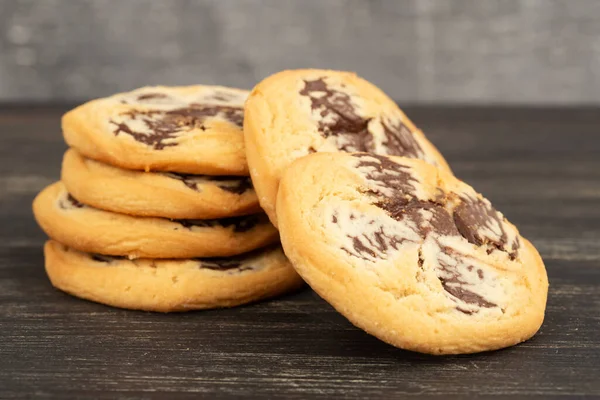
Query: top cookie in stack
pixel 193 130
pixel 160 173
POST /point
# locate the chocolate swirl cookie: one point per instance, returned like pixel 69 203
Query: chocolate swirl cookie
pixel 157 194
pixel 409 253
pixel 66 219
pixel 170 285
pixel 188 129
pixel 295 113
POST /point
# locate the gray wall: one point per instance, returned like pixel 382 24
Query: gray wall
pixel 419 51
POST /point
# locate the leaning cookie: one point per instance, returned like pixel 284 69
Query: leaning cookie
pixel 170 285
pixel 187 129
pixel 157 194
pixel 410 254
pixel 295 113
pixel 89 229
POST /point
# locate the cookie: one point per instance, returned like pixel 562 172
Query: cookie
pixel 410 254
pixel 157 194
pixel 295 113
pixel 170 285
pixel 187 129
pixel 92 230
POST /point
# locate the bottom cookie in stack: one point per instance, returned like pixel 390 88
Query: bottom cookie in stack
pixel 168 285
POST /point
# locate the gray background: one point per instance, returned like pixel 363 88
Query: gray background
pixel 418 51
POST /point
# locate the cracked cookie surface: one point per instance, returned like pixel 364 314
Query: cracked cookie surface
pixel 186 129
pixel 410 254
pixel 170 285
pixel 295 113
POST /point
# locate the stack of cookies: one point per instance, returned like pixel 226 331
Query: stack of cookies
pixel 155 209
pixel 368 212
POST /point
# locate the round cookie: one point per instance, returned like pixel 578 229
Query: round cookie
pixel 187 129
pixel 410 254
pixel 157 194
pixel 170 285
pixel 295 113
pixel 89 229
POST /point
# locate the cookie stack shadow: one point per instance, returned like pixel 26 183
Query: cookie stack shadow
pixel 141 221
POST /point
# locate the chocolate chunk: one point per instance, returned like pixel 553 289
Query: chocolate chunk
pixel 244 224
pixel 469 297
pixel 240 224
pixel 220 263
pixel 70 202
pixel 421 259
pixel 381 241
pixel 471 215
pixel 151 96
pixel 387 174
pixel 188 180
pixel 161 126
pixel 146 98
pixel 338 117
pixel 515 249
pixel 74 202
pixel 429 217
pixel 200 223
pixel 105 259
pixel 480 223
pixel 455 285
pixel 400 141
pixel 360 249
pixel 439 221
pixel 234 185
pixel 222 96
pixel 375 243
pixel 242 262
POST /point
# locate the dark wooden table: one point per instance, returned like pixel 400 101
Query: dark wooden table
pixel 540 167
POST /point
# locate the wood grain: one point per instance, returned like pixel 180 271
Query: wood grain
pixel 541 167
